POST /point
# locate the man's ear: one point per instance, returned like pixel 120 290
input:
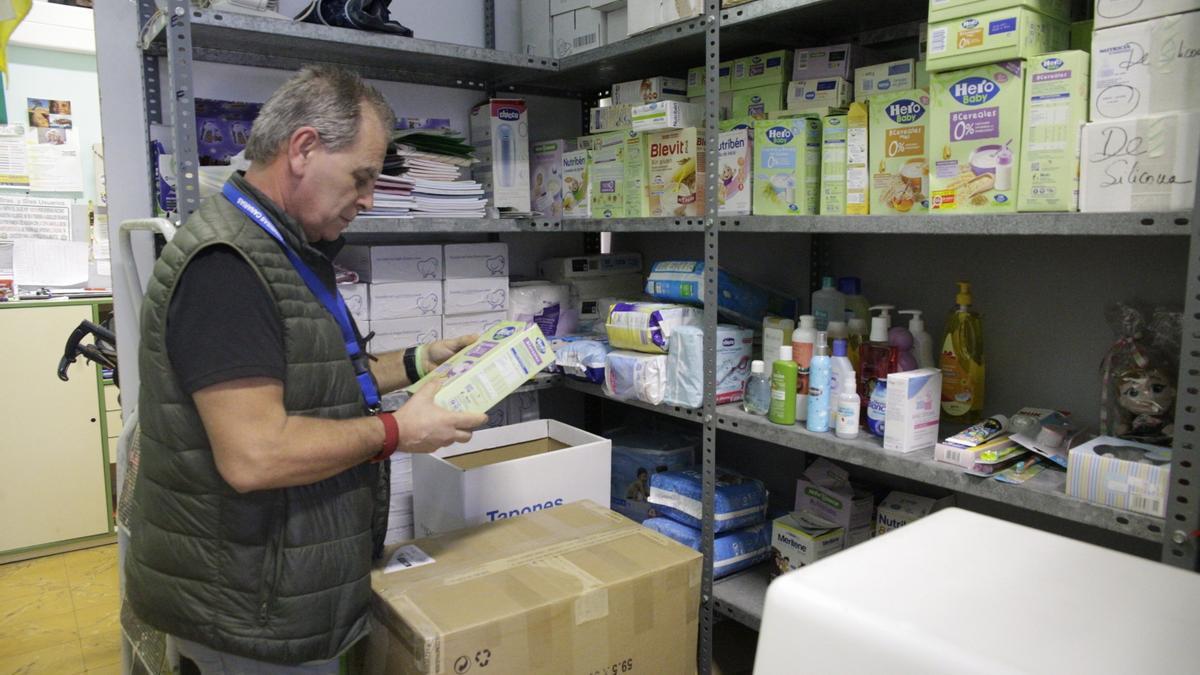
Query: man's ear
pixel 301 145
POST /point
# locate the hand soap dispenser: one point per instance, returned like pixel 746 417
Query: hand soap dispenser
pixel 922 343
pixel 962 360
pixel 876 358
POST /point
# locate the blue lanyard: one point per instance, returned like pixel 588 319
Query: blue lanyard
pixel 332 302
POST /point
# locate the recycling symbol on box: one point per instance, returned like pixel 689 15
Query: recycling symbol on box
pixel 483 657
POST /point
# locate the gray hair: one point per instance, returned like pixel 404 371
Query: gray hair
pixel 325 98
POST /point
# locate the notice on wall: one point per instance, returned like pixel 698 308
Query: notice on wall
pixel 14 158
pixel 52 147
pixel 44 262
pixel 35 217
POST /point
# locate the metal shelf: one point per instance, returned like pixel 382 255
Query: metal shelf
pixel 1043 494
pixel 1085 224
pixel 690 414
pixel 379 228
pixel 632 224
pixel 741 596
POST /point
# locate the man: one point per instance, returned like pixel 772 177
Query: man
pixel 258 504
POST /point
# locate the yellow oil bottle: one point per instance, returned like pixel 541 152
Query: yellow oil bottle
pixel 961 361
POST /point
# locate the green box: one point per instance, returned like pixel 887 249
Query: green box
pixel 787 167
pixel 634 156
pixel 923 75
pixel 833 165
pixel 762 69
pixel 737 123
pixel 944 10
pixel 758 102
pixel 899 152
pixel 1056 108
pixel 695 79
pixel 607 177
pixel 991 37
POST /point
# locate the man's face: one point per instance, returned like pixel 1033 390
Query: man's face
pixel 337 185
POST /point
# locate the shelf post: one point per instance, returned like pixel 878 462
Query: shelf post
pixel 183 108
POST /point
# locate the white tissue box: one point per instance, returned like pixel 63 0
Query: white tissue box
pixel 1121 474
pixel 1146 68
pixel 1145 164
pixel 393 263
pixel 471 261
pixel 395 334
pixel 404 299
pixel 473 296
pixel 470 324
pixel 357 298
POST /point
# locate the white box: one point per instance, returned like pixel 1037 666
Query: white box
pixel 900 508
pixel 819 62
pixel 393 263
pixel 665 115
pixel 884 77
pixel 600 265
pixel 616 25
pixel 649 90
pixel 471 261
pixel 472 296
pixel 1146 68
pixel 913 405
pixel 611 118
pixel 357 298
pixel 607 5
pixel 395 334
pixel 826 493
pixel 1146 164
pixel 1121 474
pixel 470 324
pixel 558 7
pixel 796 541
pixel 1116 12
pixel 827 92
pixel 404 299
pixel 645 15
pixel 506 472
pixel 577 32
pixel 500 139
pixel 535 28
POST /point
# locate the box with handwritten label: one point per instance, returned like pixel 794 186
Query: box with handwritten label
pixel 1146 68
pixel 1144 164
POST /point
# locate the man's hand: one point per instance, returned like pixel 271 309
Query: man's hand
pixel 426 427
pixel 436 353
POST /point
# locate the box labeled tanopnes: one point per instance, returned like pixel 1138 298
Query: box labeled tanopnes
pixel 672 185
pixel 787 166
pixel 899 147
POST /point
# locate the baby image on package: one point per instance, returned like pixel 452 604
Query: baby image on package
pixel 735 158
pixel 898 151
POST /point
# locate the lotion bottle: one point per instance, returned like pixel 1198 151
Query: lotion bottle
pixel 922 343
pixel 783 389
pixel 818 387
pixel 803 339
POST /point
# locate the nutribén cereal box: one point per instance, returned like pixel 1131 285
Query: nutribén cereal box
pixel 899 152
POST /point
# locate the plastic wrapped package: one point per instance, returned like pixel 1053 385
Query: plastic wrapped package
pixel 581 356
pixel 544 303
pixel 739 502
pixel 1138 375
pixel 636 376
pixel 685 365
pixel 732 551
pixel 737 300
pixel 636 455
pixel 647 326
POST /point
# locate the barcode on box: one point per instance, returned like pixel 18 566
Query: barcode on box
pixel 937 40
pixel 954 456
pixel 1144 504
pixel 584 40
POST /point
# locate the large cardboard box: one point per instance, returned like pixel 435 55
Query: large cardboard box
pixel 989 37
pixel 1143 164
pixel 1116 12
pixel 507 472
pixel 577 589
pixel 404 299
pixel 1146 68
pixel 393 263
pixel 471 261
pixel 941 10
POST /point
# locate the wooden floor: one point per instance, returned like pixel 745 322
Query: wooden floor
pixel 60 615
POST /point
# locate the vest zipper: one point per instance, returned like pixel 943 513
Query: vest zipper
pixel 273 564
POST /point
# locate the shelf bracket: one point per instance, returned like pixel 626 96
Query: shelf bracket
pixel 183 108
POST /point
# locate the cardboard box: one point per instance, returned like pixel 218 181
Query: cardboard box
pixel 576 185
pixel 941 10
pixel 470 324
pixel 913 406
pixel 828 61
pixel 696 83
pixel 884 78
pixel 1146 68
pixel 758 102
pixel 787 167
pixel 735 163
pixel 1122 474
pixel 833 165
pixel 990 37
pixel 900 508
pixel 500 138
pixel 737 123
pixel 558 7
pixel 825 492
pixel 451 603
pixel 469 261
pixel 899 152
pixel 858 170
pixel 922 75
pixel 829 92
pixel 664 115
pixel 472 296
pixel 1056 108
pixel 546 189
pixel 393 263
pixel 611 118
pixel 724 104
pixel 616 25
pixel 357 299
pixel 599 265
pixel 672 164
pixel 536 38
pixel 577 32
pixel 974 128
pixel 1109 13
pixel 649 90
pixel 396 334
pixel 405 299
pixel 1145 164
pixel 647 15
pixel 762 69
pixel 607 174
pixel 798 540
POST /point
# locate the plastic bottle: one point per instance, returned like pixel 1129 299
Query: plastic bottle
pixel 756 394
pixel 837 330
pixel 922 343
pixel 877 408
pixel 777 332
pixel 858 336
pixel 803 339
pixel 783 389
pixel 1004 169
pixel 876 358
pixel 848 405
pixel 857 306
pixel 962 361
pixel 828 304
pixel 900 338
pixel 841 370
pixel 818 387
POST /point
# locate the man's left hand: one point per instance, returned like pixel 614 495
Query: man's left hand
pixel 436 353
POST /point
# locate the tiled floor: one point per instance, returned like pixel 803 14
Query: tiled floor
pixel 60 615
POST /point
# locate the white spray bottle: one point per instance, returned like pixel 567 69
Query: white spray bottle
pixel 922 343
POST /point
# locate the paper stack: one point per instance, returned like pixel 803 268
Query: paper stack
pixel 393 198
pixel 400 511
pixel 433 160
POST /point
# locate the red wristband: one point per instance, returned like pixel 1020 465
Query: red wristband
pixel 391 436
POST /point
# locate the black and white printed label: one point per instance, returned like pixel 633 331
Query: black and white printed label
pixel 407 557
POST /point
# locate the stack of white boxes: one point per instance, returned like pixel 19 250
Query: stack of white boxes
pixel 400 511
pixel 561 28
pixel 475 291
pixel 400 297
pixel 1139 150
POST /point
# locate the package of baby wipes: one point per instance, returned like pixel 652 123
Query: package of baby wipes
pixel 685 364
pixel 647 326
pixel 739 501
pixel 732 551
pixel 634 376
pixel 737 300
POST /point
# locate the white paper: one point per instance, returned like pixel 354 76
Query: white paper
pixel 14 157
pixel 47 262
pixel 34 217
pixel 406 557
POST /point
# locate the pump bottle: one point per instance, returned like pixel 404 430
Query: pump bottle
pixel 876 357
pixel 803 339
pixel 922 343
pixel 962 361
pixel 818 387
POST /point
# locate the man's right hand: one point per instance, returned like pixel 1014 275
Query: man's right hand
pixel 426 427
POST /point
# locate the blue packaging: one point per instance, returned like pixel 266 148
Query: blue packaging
pixel 877 408
pixel 580 356
pixel 637 455
pixel 738 300
pixel 739 501
pixel 732 552
pixel 222 129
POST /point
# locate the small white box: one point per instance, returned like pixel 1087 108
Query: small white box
pixel 600 265
pixel 797 540
pixel 900 508
pixel 395 334
pixel 1116 12
pixel 577 32
pixel 1145 164
pixel 611 118
pixel 819 62
pixel 500 139
pixel 473 296
pixel 393 263
pixel 1121 474
pixel 506 472
pixel 616 25
pixel 357 298
pixel 646 15
pixel 913 405
pixel 1146 68
pixel 470 324
pixel 649 90
pixel 826 92
pixel 471 261
pixel 535 28
pixel 665 115
pixel 404 299
pixel 558 7
pixel 884 77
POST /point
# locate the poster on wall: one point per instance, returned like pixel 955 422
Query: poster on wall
pixel 52 144
pixel 34 218
pixel 14 159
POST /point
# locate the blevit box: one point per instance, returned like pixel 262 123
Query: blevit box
pixel 357 299
pixel 736 159
pixel 833 165
pixel 545 184
pixel 695 79
pixel 762 69
pixel 465 261
pixel 663 115
pixel 577 32
pixel 535 28
pixel 500 138
pixel 1144 164
pixel 913 406
pixel 396 334
pixel 649 90
pixel 900 508
pixel 1109 13
pixel 941 10
pixel 828 61
pixel 1146 68
pixel 975 138
pixel 393 263
pixel 883 78
pixel 899 152
pixel 673 167
pixel 796 541
pixel 405 299
pixel 470 324
pixel 472 296
pixel 611 118
pixel 990 37
pixel 787 166
pixel 599 265
pixel 828 92
pixel 576 187
pixel 1056 95
pixel 758 102
pixel 1122 474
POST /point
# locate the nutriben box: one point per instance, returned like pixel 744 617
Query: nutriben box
pixel 736 158
pixel 975 138
pixel 575 188
pixel 1056 108
pixel 672 184
pixel 787 166
pixel 899 152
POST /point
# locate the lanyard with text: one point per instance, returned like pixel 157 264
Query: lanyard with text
pixel 332 302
